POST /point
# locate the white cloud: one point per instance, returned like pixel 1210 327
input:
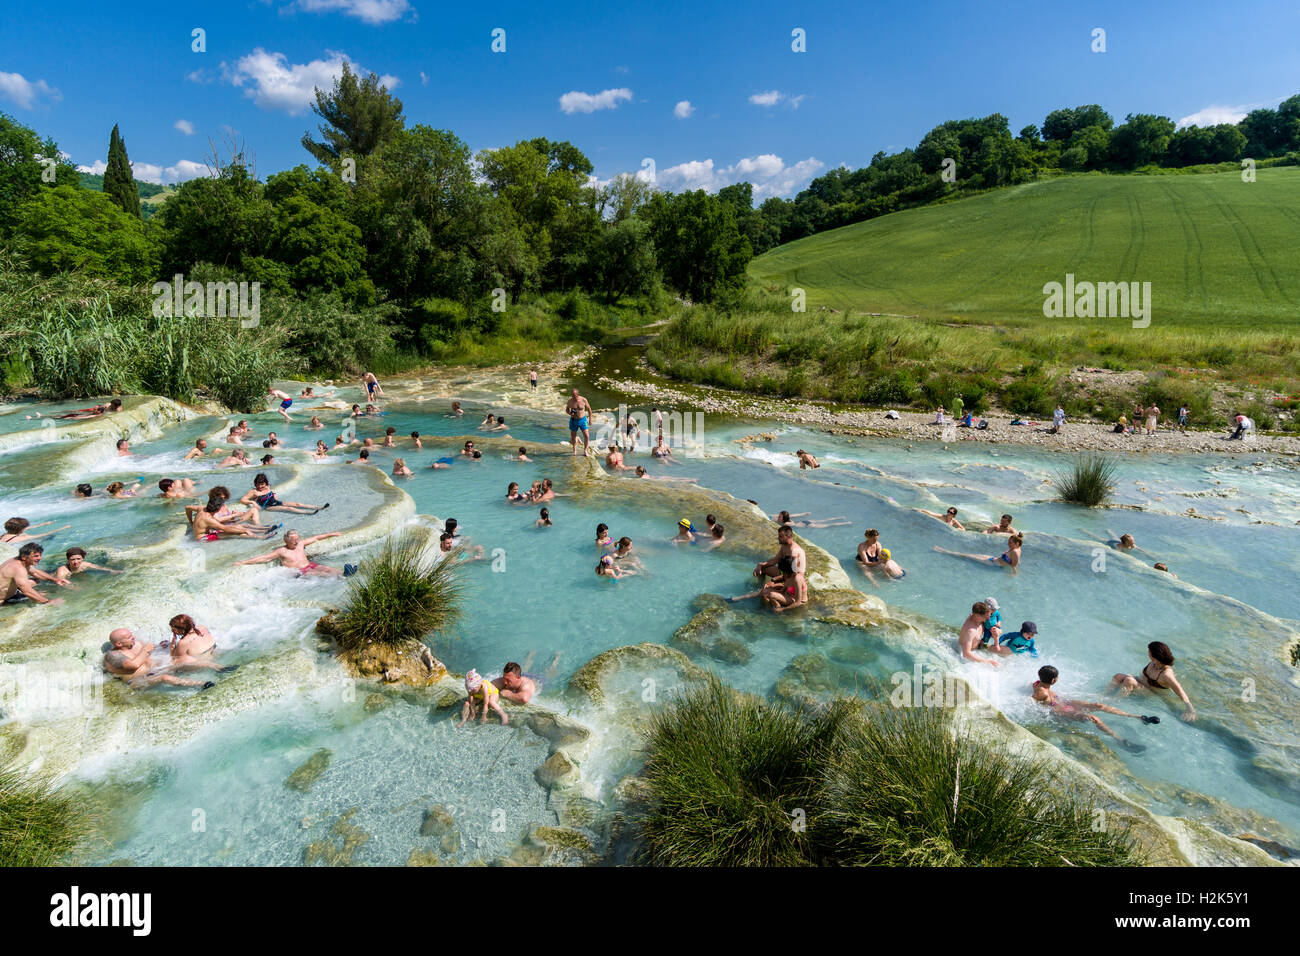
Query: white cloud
pixel 424 78
pixel 1214 115
pixel 371 11
pixel 578 102
pixel 152 173
pixel 773 97
pixel 768 173
pixel 164 176
pixel 276 84
pixel 185 126
pixel 683 109
pixel 26 94
pixel 200 76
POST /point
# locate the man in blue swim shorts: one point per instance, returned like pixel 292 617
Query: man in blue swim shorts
pixel 579 411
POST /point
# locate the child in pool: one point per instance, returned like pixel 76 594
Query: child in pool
pixel 1080 710
pixel 486 694
pixel 400 470
pixel 545 520
pixel 606 568
pixel 603 538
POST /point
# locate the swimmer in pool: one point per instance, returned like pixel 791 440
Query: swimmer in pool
pixel 390 437
pixel 199 450
pixel 294 555
pixel 972 633
pixel 514 497
pixel 16 531
pixel 546 492
pixel 544 520
pixel 322 451
pixel 640 472
pixel 522 456
pixel 662 451
pixel 604 540
pixel 801 520
pixel 1156 675
pixel 400 470
pixel 1002 527
pixel 314 425
pixel 717 537
pixel 606 568
pixel 123 448
pixel 1009 558
pixel 483 693
pixel 456 411
pixel 514 685
pixel 285 401
pixel 116 489
pixel 625 556
pixel 500 426
pixel 192 646
pixel 76 563
pixel 1080 710
pixel 806 460
pixel 128 658
pixel 207 527
pixel 949 517
pixel 263 495
pixel 176 488
pixel 614 460
pixel 237 457
pixel 16 577
pixel 579 411
pixel 873 557
pixel 685 532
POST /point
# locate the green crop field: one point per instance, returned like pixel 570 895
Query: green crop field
pixel 1214 248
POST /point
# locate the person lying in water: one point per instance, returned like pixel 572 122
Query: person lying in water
pixel 221 495
pixel 1009 558
pixel 76 562
pixel 1081 710
pixel 16 531
pixel 801 520
pixel 17 574
pixel 263 495
pixel 949 517
pixel 1156 675
pixel 513 685
pixel 116 489
pixel 294 555
pixel 176 488
pixel 83 413
pixel 128 658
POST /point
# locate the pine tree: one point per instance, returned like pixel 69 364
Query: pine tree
pixel 119 184
pixel 360 116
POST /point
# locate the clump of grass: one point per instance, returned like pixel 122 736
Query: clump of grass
pixel 731 777
pixel 39 825
pixel 403 594
pixel 729 773
pixel 1089 481
pixel 902 788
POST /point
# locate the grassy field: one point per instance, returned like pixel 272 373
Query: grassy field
pixel 1216 250
pixel 928 304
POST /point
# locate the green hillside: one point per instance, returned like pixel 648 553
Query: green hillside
pixel 1214 248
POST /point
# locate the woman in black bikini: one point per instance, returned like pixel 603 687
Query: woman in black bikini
pixel 1158 674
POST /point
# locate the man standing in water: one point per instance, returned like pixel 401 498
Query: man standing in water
pixel 579 412
pixel 16 577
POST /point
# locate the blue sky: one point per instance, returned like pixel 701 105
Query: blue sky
pixel 609 78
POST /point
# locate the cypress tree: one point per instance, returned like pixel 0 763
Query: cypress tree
pixel 119 184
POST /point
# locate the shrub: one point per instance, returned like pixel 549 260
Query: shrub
pixel 39 825
pixel 405 593
pixel 1029 396
pixel 903 788
pixel 1089 481
pixel 726 772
